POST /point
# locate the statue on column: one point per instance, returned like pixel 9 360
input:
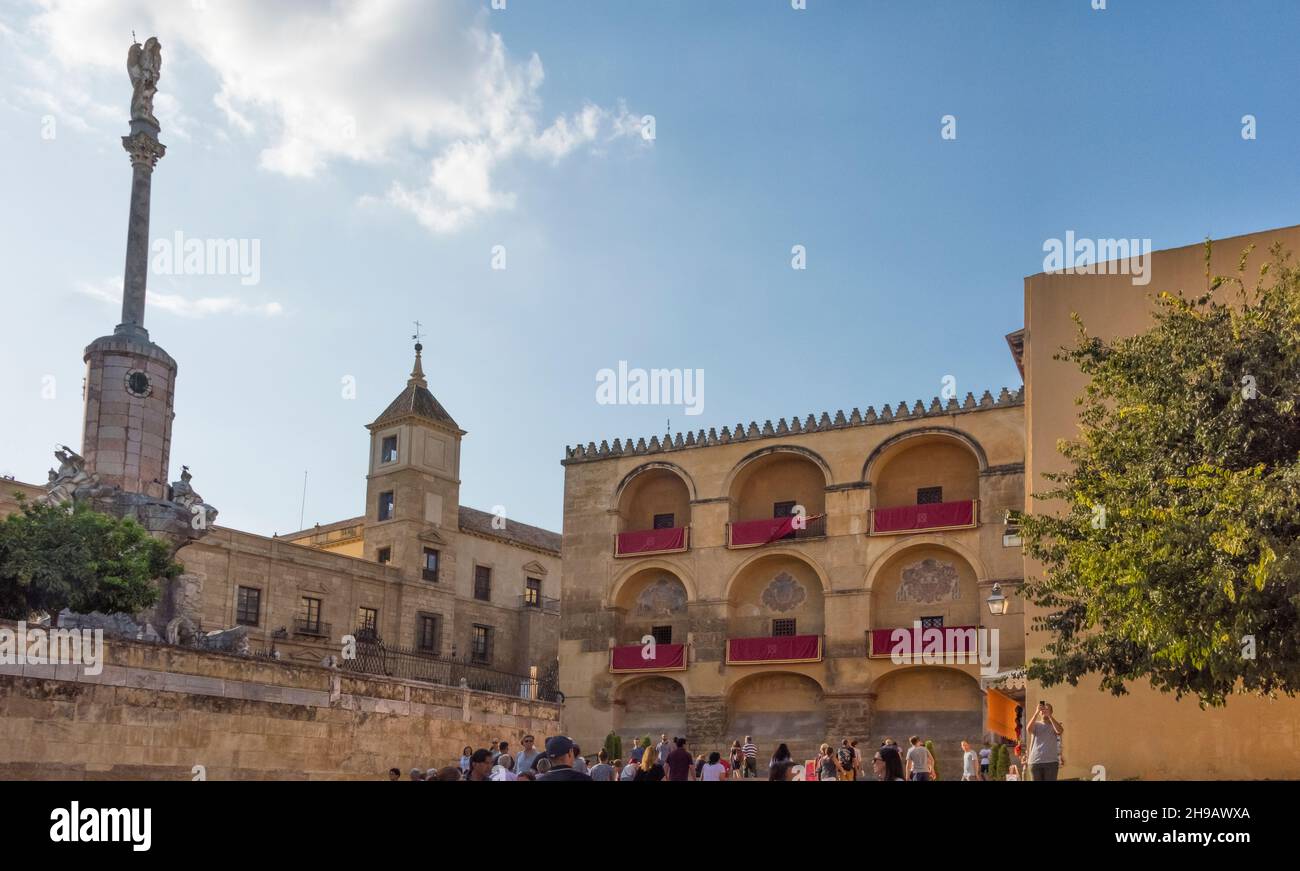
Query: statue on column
pixel 144 64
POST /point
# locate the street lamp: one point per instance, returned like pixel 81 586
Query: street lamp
pixel 997 602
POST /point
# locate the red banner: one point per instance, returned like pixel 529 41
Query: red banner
pixel 938 514
pixel 630 657
pixel 650 541
pixel 955 639
pixel 781 648
pixel 751 532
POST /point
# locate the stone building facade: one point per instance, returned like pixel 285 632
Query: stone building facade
pixel 769 563
pixel 429 574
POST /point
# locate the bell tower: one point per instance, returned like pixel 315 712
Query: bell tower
pixel 130 381
pixel 413 486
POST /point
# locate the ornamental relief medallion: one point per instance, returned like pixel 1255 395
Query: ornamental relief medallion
pixel 784 593
pixel 929 581
pixel 664 596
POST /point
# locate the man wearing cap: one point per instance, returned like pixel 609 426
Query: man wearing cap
pixel 560 752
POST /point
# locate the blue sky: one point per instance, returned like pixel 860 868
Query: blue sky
pixel 773 128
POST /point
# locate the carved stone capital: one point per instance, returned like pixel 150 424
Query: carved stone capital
pixel 143 149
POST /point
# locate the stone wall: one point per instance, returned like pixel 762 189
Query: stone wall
pixel 155 712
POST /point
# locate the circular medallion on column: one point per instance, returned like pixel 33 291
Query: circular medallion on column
pixel 138 383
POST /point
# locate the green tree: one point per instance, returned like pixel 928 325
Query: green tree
pixel 1176 555
pixel 56 557
pixel 613 746
pixel 999 763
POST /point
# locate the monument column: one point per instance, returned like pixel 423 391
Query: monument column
pixel 145 151
pixel 130 381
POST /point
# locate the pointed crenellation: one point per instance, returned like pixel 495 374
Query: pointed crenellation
pixel 786 426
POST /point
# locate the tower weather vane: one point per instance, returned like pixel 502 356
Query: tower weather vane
pixel 418 335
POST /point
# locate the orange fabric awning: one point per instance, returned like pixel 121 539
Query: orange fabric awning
pixel 1002 715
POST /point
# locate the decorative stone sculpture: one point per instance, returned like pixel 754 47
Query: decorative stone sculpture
pixel 784 593
pixel 664 596
pixel 71 481
pixel 144 65
pixel 929 581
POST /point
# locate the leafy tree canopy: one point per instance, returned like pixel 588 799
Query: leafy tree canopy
pixel 56 557
pixel 1176 555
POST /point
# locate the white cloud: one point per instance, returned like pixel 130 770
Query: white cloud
pixel 109 290
pixel 399 83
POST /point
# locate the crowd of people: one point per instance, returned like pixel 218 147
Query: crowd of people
pixel 561 759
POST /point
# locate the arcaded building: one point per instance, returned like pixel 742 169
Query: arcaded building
pixel 770 565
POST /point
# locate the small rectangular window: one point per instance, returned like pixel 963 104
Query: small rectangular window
pixel 384 555
pixel 386 505
pixel 430 569
pixel 368 620
pixel 931 622
pixel 481 644
pixel 249 607
pixel 783 627
pixel 532 593
pixel 662 634
pixel 783 509
pixel 664 521
pixel 929 495
pixel 388 453
pixel 428 633
pixel 483 583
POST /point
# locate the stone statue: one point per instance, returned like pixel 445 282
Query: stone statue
pixel 144 64
pixel 71 477
pixel 184 494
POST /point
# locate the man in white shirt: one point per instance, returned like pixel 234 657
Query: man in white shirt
pixel 970 762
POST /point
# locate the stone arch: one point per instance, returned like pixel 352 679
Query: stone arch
pixel 813 456
pixel 889 445
pixel 911 582
pixel 648 467
pixel 933 539
pixel 775 707
pixel 649 705
pixel 670 566
pixel 769 552
pixel 943 704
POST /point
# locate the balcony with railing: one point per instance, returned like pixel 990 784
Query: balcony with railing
pixel 310 628
pixel 545 604
pixel 644 542
pixel 654 514
pixel 962 514
pixel 925 482
pixel 635 658
pixel 778 497
pixel 774 649
pixel 755 533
